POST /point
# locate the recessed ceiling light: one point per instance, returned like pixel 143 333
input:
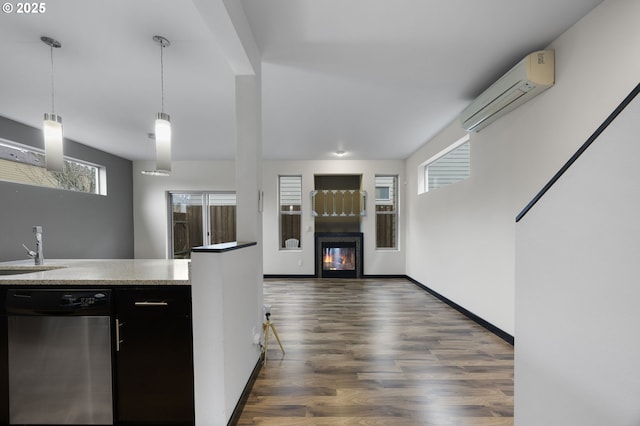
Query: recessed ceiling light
pixel 340 153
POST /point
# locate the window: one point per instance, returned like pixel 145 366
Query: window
pixel 382 193
pixel 290 209
pixel 386 212
pixel 23 164
pixel 450 165
pixel 193 224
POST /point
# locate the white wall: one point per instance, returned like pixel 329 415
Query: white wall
pixel 150 211
pixel 577 257
pixel 227 317
pixel 577 250
pixel 300 262
pixel 461 239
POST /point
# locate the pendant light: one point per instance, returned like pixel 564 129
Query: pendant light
pixel 162 124
pixel 52 127
pixel 156 172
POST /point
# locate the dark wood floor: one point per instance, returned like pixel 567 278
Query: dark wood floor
pixel 377 352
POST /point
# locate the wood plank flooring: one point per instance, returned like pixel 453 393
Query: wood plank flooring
pixel 377 352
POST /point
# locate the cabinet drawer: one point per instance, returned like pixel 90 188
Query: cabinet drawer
pixel 153 301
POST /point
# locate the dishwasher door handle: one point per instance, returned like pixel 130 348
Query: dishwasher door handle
pixel 118 340
pixel 145 303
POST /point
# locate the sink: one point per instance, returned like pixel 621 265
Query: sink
pixel 16 270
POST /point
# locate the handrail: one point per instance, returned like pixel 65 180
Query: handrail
pixel 580 151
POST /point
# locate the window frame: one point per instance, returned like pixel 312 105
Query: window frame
pixel 290 212
pixel 423 168
pixel 99 171
pixel 394 200
pixel 205 204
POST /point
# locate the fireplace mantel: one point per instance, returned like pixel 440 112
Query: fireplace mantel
pixel 339 238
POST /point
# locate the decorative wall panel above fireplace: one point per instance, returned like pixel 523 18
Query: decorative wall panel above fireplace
pixel 338 202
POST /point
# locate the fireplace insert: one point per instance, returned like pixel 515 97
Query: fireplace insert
pixel 339 258
pixel 338 255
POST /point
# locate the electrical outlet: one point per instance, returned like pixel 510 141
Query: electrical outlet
pixel 256 336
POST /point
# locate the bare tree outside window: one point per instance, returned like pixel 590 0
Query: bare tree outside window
pixel 22 164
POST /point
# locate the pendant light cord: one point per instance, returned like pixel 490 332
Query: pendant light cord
pixel 53 111
pixel 162 73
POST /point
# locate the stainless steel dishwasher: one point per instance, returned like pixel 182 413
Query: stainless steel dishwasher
pixel 59 351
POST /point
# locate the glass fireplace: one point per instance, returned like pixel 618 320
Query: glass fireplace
pixel 338 255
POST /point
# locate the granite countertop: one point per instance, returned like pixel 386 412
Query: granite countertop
pixel 100 272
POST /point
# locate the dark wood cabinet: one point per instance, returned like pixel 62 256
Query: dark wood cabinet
pixel 154 356
pixel 4 370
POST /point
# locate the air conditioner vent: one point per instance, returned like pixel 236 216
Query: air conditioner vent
pixel 527 79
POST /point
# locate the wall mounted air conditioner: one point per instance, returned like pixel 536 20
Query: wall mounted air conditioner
pixel 527 79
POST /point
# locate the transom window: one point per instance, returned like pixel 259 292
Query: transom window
pixel 450 165
pixel 24 164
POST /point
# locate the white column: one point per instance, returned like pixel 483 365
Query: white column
pixel 248 158
pixel 225 349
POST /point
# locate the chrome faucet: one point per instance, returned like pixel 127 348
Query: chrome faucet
pixel 38 255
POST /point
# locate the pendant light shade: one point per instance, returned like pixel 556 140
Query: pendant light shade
pixel 52 126
pixel 162 124
pixel 163 142
pixel 53 143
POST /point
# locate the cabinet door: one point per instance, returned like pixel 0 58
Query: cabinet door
pixel 154 358
pixel 4 371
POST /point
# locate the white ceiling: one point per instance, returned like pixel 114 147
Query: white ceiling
pixel 375 78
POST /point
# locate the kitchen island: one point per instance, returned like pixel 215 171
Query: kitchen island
pixel 142 372
pixel 98 272
pixel 184 345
